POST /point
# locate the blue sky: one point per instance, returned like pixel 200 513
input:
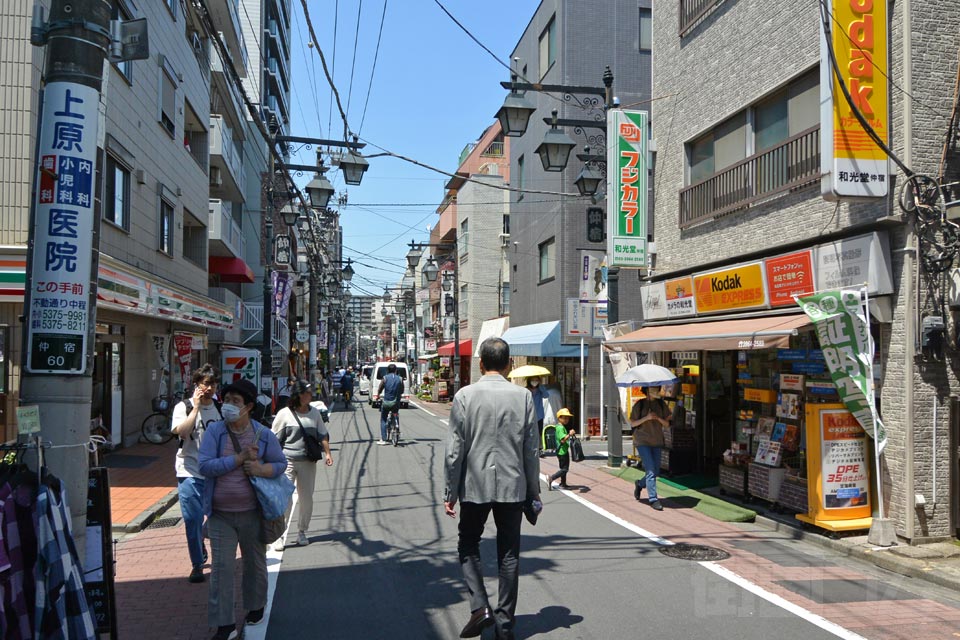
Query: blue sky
pixel 434 91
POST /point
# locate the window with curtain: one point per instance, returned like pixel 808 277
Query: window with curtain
pixel 168 102
pixel 166 227
pixel 116 205
pixel 548 46
pixel 548 260
pixel 645 40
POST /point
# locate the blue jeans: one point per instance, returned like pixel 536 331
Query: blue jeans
pixel 190 491
pixel 650 456
pixel 384 418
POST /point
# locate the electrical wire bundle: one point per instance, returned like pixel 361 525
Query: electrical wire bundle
pixel 939 238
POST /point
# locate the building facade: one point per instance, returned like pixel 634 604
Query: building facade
pixel 567 43
pixel 710 129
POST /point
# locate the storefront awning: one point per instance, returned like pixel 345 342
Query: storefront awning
pixel 230 269
pixel 466 348
pixel 491 329
pixel 746 334
pixel 540 340
pixel 427 356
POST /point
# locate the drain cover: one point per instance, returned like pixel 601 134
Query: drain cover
pixel 698 552
pixel 163 523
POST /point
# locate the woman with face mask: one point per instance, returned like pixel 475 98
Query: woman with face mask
pixel 231 451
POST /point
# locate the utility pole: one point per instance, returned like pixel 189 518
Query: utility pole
pixel 266 350
pixel 314 322
pixel 614 427
pixel 456 319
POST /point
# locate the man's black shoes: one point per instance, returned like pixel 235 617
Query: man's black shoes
pixel 479 620
pixel 656 505
pixel 196 575
pixel 637 489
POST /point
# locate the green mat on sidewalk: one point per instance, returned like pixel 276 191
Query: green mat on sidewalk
pixel 679 496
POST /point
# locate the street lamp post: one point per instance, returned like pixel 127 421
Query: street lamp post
pixel 554 153
pixel 430 271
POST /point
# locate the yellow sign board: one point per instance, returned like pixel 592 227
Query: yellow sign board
pixel 740 287
pixel 854 165
pixel 767 396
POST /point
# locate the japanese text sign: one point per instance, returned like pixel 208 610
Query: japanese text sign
pixel 59 310
pixel 853 164
pixel 627 188
pixel 788 275
pixel 680 300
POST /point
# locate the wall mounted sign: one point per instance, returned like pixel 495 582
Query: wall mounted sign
pixel 739 287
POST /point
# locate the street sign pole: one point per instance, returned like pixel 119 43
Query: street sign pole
pixel 63 243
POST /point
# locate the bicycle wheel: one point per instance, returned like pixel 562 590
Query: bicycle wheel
pixel 156 428
pixel 394 431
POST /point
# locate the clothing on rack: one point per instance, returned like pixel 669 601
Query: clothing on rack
pixel 41 581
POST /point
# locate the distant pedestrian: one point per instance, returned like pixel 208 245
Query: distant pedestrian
pixel 491 465
pixel 563 448
pixel 290 425
pixel 540 398
pixel 231 452
pixel 190 420
pixel 649 417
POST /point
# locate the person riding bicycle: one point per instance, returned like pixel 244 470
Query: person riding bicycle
pixel 346 385
pixel 390 392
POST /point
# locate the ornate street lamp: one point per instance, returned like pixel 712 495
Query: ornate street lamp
pixel 290 214
pixel 514 115
pixel 430 270
pixel 555 149
pixel 319 190
pixel 347 272
pixel 352 164
pixel 588 181
pixel 413 257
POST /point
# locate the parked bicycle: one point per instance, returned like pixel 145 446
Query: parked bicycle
pixel 156 428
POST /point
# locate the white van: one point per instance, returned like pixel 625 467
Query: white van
pixel 380 370
pixel 365 374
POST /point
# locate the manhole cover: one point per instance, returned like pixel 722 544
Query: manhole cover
pixel 163 523
pixel 698 552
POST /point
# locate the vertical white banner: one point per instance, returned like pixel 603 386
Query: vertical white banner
pixel 59 313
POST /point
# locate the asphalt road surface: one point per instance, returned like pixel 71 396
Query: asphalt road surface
pixel 382 561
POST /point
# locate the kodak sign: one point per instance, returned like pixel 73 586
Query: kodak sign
pixel 854 166
pixel 740 287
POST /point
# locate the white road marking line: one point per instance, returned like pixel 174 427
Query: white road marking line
pixel 723 572
pixel 424 409
pixel 274 560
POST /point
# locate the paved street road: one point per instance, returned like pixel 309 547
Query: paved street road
pixel 382 561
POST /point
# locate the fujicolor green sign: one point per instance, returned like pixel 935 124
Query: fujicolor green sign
pixel 627 188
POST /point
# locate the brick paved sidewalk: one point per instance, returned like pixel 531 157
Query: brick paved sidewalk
pixel 142 482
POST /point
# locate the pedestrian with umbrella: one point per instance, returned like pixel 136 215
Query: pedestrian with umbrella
pixel 533 374
pixel 649 416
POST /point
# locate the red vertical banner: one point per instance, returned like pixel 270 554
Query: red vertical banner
pixel 182 343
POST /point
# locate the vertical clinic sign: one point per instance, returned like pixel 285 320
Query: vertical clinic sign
pixel 627 189
pixel 854 166
pixel 63 226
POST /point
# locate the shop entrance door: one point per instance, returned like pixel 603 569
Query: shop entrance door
pixel 720 400
pixel 568 377
pixel 108 386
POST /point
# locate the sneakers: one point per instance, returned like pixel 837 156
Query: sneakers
pixel 278 545
pixel 226 632
pixel 637 490
pixel 381 442
pixel 254 617
pixel 196 575
pixel 302 539
pixel 656 505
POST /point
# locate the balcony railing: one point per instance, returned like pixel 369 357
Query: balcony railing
pixel 223 227
pixel 792 164
pixel 493 150
pixel 253 321
pixel 222 144
pixel 692 10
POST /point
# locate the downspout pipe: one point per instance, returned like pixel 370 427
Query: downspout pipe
pixel 909 262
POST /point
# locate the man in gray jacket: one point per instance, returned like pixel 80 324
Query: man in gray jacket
pixel 491 465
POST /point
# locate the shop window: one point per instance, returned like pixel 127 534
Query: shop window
pixel 548 260
pixel 645 40
pixel 165 222
pixel 548 47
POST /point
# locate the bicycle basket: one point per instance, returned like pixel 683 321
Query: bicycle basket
pixel 160 404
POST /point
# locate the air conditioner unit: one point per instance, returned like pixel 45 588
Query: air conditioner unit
pixel 216 178
pixel 504 239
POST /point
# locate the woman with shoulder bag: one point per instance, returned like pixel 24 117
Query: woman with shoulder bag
pixel 302 432
pixel 649 417
pixel 233 452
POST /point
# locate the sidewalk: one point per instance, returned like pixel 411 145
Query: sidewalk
pixel 143 484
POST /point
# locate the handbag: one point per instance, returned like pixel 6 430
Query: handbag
pixel 576 450
pixel 273 497
pixel 310 442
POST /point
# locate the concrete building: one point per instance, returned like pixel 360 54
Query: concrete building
pixel 738 171
pixel 152 191
pixel 567 43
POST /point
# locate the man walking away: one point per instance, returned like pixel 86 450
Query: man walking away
pixel 390 393
pixel 190 420
pixel 491 465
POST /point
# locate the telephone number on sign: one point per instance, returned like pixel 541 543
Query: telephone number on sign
pixel 56 319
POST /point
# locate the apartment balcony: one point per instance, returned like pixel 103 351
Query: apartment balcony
pixel 226 163
pixel 791 165
pixel 252 325
pixel 275 35
pixel 224 99
pixel 446 229
pixel 226 238
pixel 226 19
pixel 278 73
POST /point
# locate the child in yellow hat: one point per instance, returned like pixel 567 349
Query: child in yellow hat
pixel 563 448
